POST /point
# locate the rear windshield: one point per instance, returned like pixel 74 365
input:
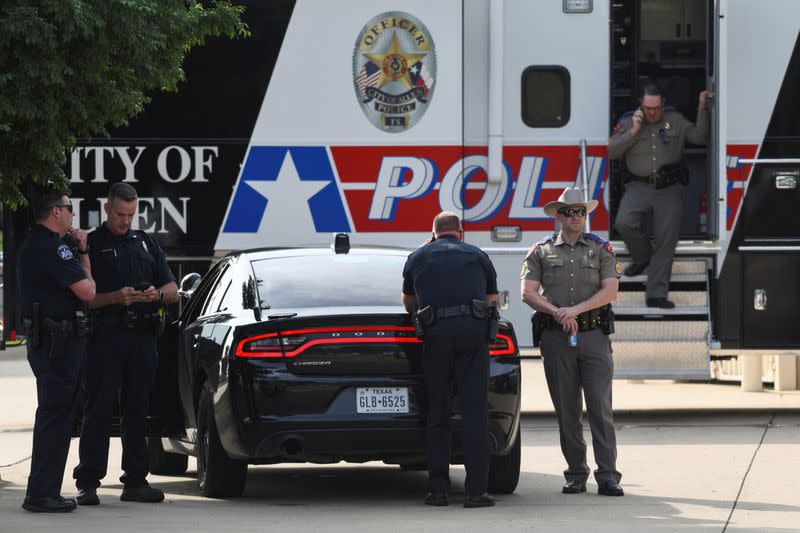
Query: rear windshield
pixel 335 280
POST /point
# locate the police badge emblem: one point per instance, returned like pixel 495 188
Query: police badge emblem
pixel 394 70
pixel 64 252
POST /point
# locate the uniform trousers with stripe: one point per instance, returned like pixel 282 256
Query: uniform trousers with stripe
pixel 572 373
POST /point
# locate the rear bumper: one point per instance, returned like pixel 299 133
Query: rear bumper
pixel 254 424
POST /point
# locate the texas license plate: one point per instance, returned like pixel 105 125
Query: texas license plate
pixel 382 400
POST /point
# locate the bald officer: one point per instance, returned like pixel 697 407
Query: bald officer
pixel 453 283
pixel 651 140
pixel 579 276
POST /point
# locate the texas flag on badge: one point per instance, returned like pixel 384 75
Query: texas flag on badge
pixel 420 76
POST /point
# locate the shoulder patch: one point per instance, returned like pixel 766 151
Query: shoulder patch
pixel 610 249
pixel 617 268
pixel 547 239
pixel 64 252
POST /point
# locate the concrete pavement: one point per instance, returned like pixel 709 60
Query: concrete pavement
pixel 694 457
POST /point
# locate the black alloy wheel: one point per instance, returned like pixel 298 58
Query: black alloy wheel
pixel 218 475
pixel 163 463
pixel 504 469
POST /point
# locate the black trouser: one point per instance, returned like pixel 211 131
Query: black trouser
pixel 123 361
pixel 457 345
pixel 57 390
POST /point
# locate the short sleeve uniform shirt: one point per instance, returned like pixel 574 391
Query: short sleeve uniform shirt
pixel 570 274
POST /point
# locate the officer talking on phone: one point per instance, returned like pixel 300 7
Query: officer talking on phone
pixel 133 285
pixel 55 281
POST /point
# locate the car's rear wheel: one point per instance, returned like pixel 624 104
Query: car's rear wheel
pixel 164 463
pixel 218 475
pixel 504 469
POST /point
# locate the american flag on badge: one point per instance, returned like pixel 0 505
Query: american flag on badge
pixel 368 76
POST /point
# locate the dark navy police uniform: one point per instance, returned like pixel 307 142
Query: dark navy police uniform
pixel 445 274
pixel 46 269
pixel 121 355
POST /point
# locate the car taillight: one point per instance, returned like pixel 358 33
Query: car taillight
pixel 269 345
pixel 294 342
pixel 503 345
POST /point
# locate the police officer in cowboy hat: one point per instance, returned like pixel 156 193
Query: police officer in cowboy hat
pixel 579 277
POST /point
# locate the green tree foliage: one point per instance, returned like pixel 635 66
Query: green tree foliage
pixel 69 69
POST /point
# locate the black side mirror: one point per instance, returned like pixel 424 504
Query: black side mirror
pixel 188 284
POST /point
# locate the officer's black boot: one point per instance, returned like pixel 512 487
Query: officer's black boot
pixel 87 497
pixel 48 504
pixel 142 493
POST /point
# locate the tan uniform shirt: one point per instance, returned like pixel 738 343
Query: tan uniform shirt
pixel 570 274
pixel 656 144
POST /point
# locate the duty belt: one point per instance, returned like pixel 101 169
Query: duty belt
pixel 652 179
pixel 128 319
pixel 78 326
pixel 453 311
pixel 586 321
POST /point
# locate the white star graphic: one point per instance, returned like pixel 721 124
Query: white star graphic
pixel 413 70
pixel 287 219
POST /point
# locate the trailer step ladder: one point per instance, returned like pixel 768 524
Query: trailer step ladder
pixel 652 343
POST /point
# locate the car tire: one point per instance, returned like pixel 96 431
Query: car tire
pixel 218 475
pixel 164 463
pixel 504 469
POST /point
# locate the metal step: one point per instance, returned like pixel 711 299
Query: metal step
pixel 665 359
pixel 683 270
pixel 657 330
pixel 667 346
pixel 655 312
pixel 680 298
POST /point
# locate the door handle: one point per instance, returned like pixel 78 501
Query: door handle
pixel 760 300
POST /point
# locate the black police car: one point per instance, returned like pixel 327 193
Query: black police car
pixel 306 355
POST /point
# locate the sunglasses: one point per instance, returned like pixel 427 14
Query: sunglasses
pixel 572 211
pixel 68 207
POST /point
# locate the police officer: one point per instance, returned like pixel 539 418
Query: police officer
pixel 652 139
pixel 578 273
pixel 55 281
pixel 453 284
pixel 133 284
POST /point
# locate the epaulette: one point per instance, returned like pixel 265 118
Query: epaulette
pixel 604 243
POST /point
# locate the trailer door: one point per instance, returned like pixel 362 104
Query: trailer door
pixel 555 93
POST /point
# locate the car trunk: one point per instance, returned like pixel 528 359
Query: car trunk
pixel 336 345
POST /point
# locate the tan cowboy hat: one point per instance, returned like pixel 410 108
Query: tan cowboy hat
pixel 569 197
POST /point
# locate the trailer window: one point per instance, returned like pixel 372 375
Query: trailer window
pixel 545 96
